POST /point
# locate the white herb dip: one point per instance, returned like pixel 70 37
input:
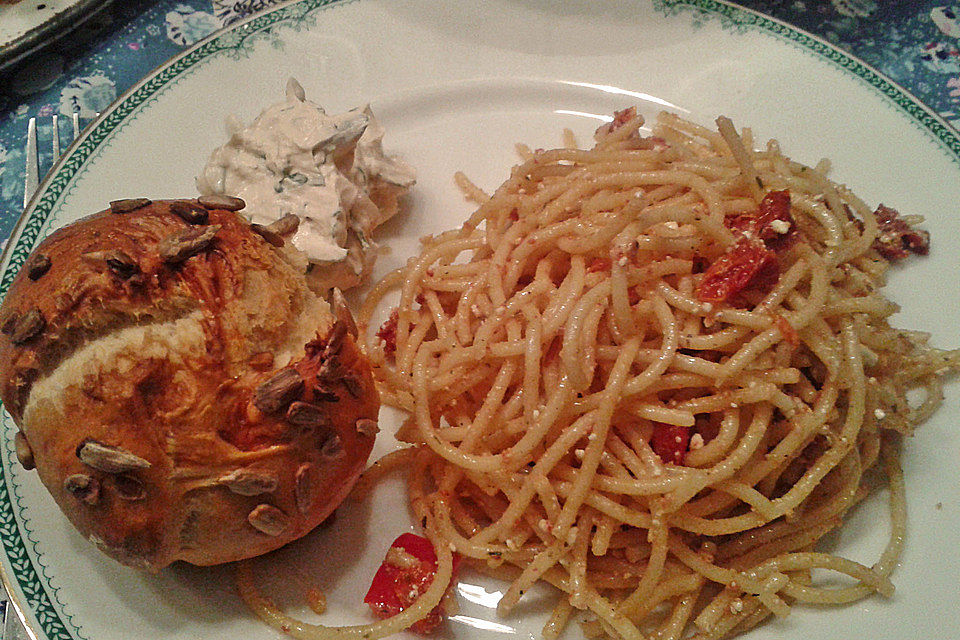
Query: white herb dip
pixel 328 170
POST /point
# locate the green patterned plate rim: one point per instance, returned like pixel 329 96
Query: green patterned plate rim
pixel 24 577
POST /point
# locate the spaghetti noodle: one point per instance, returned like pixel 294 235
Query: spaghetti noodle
pixel 653 374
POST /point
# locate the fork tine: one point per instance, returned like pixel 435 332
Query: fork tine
pixel 31 180
pixel 56 138
pixel 32 170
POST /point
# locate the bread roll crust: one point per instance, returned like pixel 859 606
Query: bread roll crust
pixel 135 366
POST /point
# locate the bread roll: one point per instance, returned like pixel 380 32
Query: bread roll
pixel 181 391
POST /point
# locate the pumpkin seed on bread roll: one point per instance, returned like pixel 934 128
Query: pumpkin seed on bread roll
pixel 180 390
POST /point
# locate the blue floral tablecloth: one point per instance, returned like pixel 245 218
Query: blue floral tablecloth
pixel 913 42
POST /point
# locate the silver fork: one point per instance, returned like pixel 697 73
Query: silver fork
pixel 10 627
pixel 31 180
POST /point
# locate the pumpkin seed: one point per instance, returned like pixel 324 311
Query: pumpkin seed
pixel 285 225
pixel 184 244
pixel 38 266
pixel 268 519
pixel 85 488
pixel 367 427
pixel 117 261
pixel 268 235
pixel 352 384
pixel 24 452
pixel 335 339
pixel 306 415
pixel 27 327
pixel 250 482
pixel 323 393
pixel 332 447
pixel 303 487
pixel 128 205
pixel 342 312
pixel 220 201
pixel 279 391
pixel 189 212
pixel 109 459
pixel 331 370
pixel 9 323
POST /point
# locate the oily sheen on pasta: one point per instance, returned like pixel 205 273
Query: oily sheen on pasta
pixel 653 374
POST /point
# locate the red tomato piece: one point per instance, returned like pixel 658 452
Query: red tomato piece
pixel 775 225
pixel 634 140
pixel 747 263
pixel 670 442
pixel 774 206
pixel 897 239
pixel 741 223
pixel 771 223
pixel 620 118
pixel 406 573
pixel 388 333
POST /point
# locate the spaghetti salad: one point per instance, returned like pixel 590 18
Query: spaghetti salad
pixel 653 374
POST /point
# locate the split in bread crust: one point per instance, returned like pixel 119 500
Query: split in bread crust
pixel 141 355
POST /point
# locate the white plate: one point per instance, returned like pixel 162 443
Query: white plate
pixel 456 84
pixel 31 24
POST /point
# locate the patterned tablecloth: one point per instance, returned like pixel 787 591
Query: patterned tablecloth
pixel 914 42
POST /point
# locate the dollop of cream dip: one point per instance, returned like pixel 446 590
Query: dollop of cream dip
pixel 330 171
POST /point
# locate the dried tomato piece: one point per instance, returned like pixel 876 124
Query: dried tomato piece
pixel 670 442
pixel 775 225
pixel 707 425
pixel 772 223
pixel 406 573
pixel 634 140
pixel 620 118
pixel 897 239
pixel 748 263
pixel 742 223
pixel 388 333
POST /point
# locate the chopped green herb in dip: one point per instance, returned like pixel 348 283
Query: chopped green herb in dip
pixel 328 170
